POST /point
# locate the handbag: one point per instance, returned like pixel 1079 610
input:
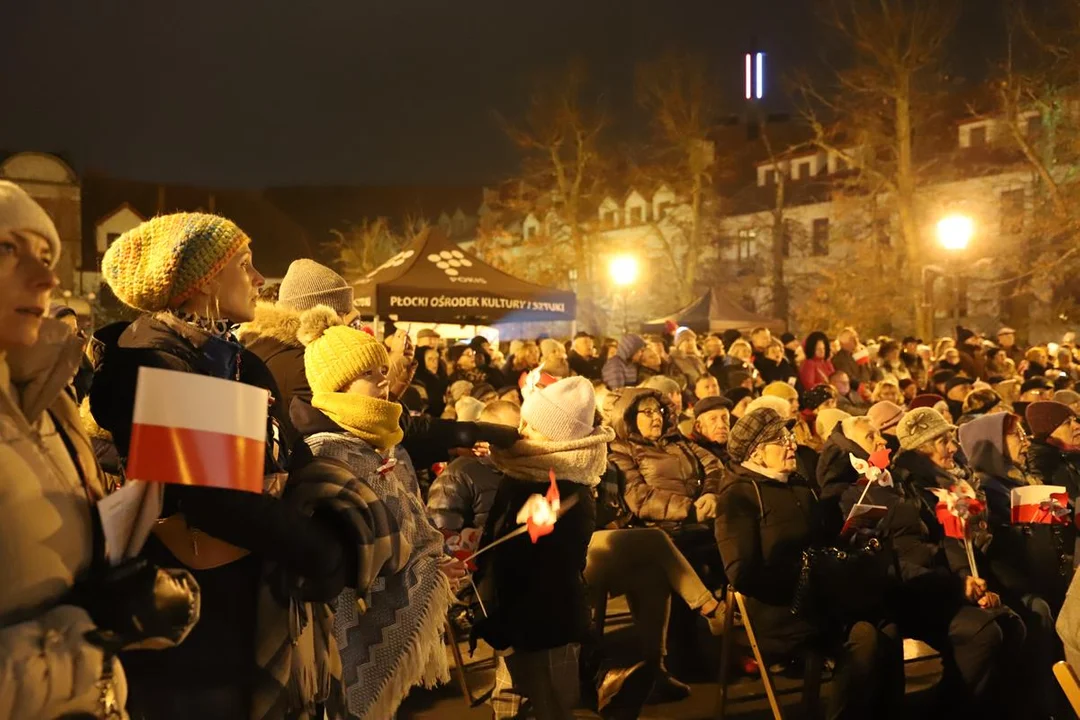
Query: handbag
pixel 844 584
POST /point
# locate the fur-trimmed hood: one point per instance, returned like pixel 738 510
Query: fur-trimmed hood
pixel 273 322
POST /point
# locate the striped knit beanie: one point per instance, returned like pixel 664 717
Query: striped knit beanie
pixel 163 262
pixel 336 355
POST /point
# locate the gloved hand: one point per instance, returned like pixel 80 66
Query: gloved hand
pixel 141 606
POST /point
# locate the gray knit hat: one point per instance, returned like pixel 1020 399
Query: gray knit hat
pixel 760 427
pixel 920 426
pixel 19 211
pixel 307 284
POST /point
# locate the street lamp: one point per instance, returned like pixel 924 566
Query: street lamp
pixel 954 231
pixel 624 271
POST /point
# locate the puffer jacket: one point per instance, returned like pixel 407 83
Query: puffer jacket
pixel 271 337
pixel 47 667
pixel 461 496
pixel 663 478
pixel 835 474
pixel 620 371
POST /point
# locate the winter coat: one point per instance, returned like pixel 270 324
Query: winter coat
pixel 663 478
pixel 49 668
pixel 835 474
pixel 814 372
pixel 271 337
pixel 1020 559
pixel 731 367
pixel 620 371
pixel 690 367
pixel 535 591
pixel 844 361
pixel 461 496
pixel 583 366
pixel 213 673
pixel 771 372
pixel 717 450
pixel 1051 465
pixel 762 527
pixel 973 363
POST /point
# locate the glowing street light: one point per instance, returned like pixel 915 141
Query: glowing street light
pixel 955 231
pixel 623 270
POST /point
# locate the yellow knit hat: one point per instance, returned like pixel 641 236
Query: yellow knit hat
pixel 336 354
pixel 780 389
pixel 162 262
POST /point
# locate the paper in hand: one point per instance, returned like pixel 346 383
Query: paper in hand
pixel 127 518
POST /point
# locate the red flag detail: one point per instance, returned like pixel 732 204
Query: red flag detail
pixel 953 525
pixel 880 459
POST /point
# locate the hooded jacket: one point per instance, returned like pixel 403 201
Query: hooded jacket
pixel 271 337
pixel 435 383
pixel 213 673
pixel 662 478
pixel 1021 559
pixel 620 371
pixel 49 669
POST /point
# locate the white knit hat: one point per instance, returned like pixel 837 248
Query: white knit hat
pixel 307 284
pixel 19 211
pixel 563 410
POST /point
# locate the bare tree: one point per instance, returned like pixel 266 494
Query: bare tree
pixel 676 91
pixel 364 246
pixel 559 136
pixel 879 108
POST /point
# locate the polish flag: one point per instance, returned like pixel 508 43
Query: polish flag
pixel 191 429
pixel 1041 504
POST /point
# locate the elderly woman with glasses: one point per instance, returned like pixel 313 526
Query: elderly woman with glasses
pixel 1030 564
pixel 768 516
pixel 939 601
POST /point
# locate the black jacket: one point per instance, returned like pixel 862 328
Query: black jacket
pixel 583 366
pixel 772 372
pixel 539 588
pixel 214 667
pixel 1051 465
pixel 835 475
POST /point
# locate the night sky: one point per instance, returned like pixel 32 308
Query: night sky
pixel 281 92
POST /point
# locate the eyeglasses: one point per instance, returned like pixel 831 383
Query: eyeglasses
pixel 652 412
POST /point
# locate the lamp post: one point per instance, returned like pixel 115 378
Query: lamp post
pixel 624 272
pixel 954 233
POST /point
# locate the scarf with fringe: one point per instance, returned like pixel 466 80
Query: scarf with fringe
pixel 390 639
pixel 582 461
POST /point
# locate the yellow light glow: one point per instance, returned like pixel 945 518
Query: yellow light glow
pixel 955 231
pixel 623 269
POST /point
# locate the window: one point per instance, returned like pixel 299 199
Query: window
pixel 609 218
pixel 1034 127
pixel 805 169
pixel 530 231
pixel 746 244
pixel 636 215
pixel 110 238
pixel 881 232
pixel 1012 212
pixel 977 136
pixel 662 209
pixel 820 238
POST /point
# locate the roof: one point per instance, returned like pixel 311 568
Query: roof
pixel 434 280
pixel 715 312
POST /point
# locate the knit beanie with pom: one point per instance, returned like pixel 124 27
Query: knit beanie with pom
pixel 19 211
pixel 335 354
pixel 563 410
pixel 162 262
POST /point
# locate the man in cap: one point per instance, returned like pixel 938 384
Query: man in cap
pixel 712 423
pixel 972 353
pixel 427 337
pixel 1006 340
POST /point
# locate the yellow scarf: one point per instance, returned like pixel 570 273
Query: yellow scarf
pixel 372 420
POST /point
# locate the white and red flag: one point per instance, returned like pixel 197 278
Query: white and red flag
pixel 1041 504
pixel 191 429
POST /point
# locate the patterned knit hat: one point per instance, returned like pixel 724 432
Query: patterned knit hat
pixel 162 262
pixel 563 410
pixel 760 427
pixel 19 211
pixel 921 426
pixel 818 395
pixel 335 354
pixel 307 284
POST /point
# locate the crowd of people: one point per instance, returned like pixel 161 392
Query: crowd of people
pixel 676 464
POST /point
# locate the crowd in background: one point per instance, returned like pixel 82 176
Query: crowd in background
pixel 677 464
